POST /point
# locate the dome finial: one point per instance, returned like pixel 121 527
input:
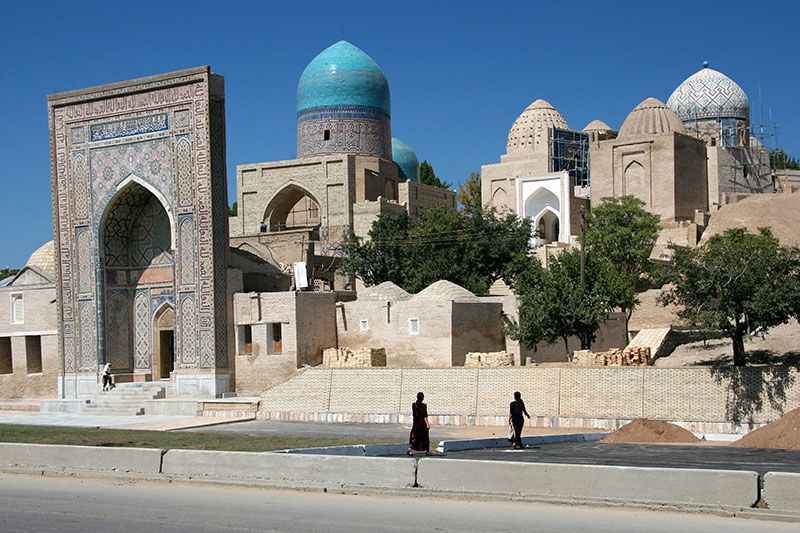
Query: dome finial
pixel 705 64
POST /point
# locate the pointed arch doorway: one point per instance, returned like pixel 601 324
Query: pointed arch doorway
pixel 164 342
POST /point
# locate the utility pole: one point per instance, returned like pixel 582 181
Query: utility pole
pixel 583 248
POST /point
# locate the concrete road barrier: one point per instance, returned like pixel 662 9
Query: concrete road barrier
pixel 292 470
pixel 68 458
pixel 446 446
pixel 363 450
pixel 782 491
pixel 664 486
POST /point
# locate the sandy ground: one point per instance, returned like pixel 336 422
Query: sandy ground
pixel 781 345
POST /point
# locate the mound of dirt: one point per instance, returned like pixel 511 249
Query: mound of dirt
pixel 784 433
pixel 646 431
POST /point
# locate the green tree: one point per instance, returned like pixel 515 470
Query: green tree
pixel 428 176
pixel 7 272
pixel 622 231
pixel 779 159
pixel 469 249
pixel 553 304
pixel 469 193
pixel 233 209
pixel 739 283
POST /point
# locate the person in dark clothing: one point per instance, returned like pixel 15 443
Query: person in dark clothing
pixel 516 420
pixel 419 440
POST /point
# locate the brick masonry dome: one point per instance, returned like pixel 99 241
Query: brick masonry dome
pixel 529 132
pixel 444 290
pixel 597 125
pixel 709 94
pixel 44 259
pixel 651 117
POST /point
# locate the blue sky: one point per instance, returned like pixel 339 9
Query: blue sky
pixel 460 72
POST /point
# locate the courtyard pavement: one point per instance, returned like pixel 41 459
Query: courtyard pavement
pixel 646 455
pixel 398 432
pixel 144 422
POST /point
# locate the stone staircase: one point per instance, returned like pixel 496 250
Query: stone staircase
pixel 127 399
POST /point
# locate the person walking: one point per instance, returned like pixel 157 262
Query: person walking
pixel 419 440
pixel 516 420
pixel 108 381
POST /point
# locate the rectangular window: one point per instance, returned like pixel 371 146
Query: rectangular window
pixel 247 339
pixel 363 324
pixel 33 354
pixel 17 309
pixel 6 367
pixel 327 135
pixel 276 338
pixel 413 326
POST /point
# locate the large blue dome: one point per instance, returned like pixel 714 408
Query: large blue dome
pixel 343 75
pixel 405 158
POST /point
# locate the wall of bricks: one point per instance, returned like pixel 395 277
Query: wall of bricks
pixel 687 395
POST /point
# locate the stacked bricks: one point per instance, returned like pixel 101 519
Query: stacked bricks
pixel 488 359
pixel 630 356
pixel 347 358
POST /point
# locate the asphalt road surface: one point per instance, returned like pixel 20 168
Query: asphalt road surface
pixel 655 455
pixel 68 505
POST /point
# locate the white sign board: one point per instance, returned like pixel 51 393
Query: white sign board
pixel 300 276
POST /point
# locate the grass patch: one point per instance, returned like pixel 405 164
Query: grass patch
pixel 168 439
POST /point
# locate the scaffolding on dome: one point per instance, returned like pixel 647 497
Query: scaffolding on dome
pixel 569 150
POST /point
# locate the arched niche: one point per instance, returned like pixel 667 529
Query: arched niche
pixel 292 207
pixel 636 182
pixel 544 209
pixel 136 257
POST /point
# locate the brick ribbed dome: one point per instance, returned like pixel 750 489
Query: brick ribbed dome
pixel 44 259
pixel 528 134
pixel 651 117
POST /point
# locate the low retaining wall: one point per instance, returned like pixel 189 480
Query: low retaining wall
pixel 704 400
pixel 620 484
pixel 782 491
pixel 289 470
pixel 89 458
pixel 687 488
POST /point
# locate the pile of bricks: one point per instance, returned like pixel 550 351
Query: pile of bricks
pixel 630 356
pixel 488 360
pixel 359 358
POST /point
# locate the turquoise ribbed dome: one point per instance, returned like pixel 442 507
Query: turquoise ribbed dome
pixel 405 158
pixel 343 75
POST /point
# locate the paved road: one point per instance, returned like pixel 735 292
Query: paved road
pixel 66 505
pixel 669 456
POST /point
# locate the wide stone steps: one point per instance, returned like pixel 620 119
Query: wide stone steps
pixel 126 399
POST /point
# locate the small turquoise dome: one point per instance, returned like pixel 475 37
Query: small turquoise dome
pixel 343 75
pixel 405 158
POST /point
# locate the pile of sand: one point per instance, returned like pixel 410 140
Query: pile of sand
pixel 645 431
pixel 783 433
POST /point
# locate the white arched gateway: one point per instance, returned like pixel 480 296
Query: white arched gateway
pixel 545 200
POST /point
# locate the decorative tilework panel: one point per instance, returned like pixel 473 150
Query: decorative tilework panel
pixel 186 250
pixel 118 329
pixel 88 344
pixel 142 327
pixel 188 331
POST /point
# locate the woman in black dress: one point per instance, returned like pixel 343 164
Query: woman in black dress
pixel 419 440
pixel 516 411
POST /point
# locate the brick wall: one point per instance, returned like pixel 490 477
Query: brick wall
pixel 17 378
pixel 687 395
